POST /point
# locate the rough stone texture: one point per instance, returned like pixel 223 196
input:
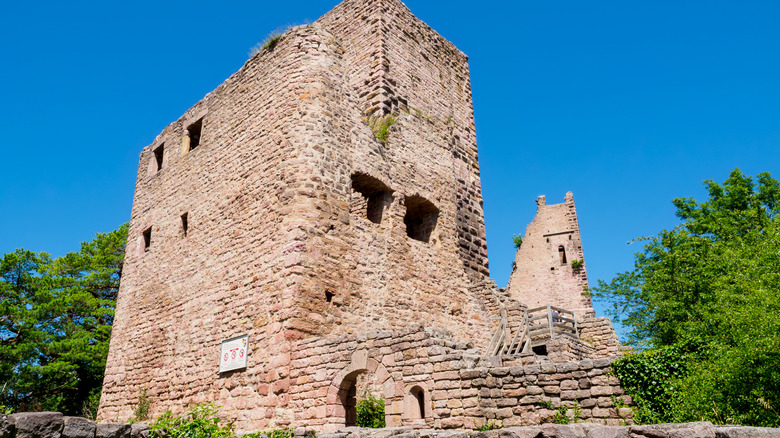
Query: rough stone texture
pixel 746 432
pixel 6 426
pixel 541 276
pixel 113 430
pixel 77 427
pixel 139 430
pixel 461 388
pixel 575 430
pixel 38 424
pixel 278 245
pixel 578 430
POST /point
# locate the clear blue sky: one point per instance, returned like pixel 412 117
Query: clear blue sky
pixel 626 104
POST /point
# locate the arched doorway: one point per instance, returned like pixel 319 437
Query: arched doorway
pixel 348 397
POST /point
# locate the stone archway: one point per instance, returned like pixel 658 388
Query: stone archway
pixel 363 375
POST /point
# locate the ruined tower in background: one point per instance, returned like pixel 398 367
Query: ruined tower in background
pixel 549 266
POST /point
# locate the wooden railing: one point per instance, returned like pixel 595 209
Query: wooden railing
pixel 538 325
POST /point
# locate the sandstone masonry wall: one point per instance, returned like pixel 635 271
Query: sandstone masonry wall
pixel 249 217
pixel 543 272
pixel 460 387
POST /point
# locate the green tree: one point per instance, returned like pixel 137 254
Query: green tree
pixel 57 324
pixel 708 288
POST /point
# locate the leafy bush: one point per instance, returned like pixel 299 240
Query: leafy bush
pixel 371 412
pixel 517 241
pixel 200 421
pixel 577 264
pixel 649 377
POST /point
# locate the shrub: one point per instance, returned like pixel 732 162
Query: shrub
pixel 142 411
pixel 371 412
pixel 577 264
pixel 517 240
pixel 200 421
pixel 649 378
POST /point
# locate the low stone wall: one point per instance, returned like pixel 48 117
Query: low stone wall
pixel 451 383
pixel 579 430
pixel 55 425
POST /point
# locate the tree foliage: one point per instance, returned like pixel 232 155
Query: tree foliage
pixel 56 323
pixel 709 288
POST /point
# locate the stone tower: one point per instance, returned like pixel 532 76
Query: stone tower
pixel 274 209
pixel 549 266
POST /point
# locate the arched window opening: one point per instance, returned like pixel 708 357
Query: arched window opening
pixel 420 219
pixel 375 197
pixel 417 403
pixel 562 254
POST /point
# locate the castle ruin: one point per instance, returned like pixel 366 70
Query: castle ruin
pixel 312 232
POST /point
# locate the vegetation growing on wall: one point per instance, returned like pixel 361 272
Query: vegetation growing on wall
pixel 517 241
pixel 55 324
pixel 702 302
pixel 380 126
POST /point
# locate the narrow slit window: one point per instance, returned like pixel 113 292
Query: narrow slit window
pixel 194 131
pixel 184 224
pixel 562 254
pixel 417 404
pixel 147 238
pixel 158 158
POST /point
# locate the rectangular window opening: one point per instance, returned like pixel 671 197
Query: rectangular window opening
pixel 184 224
pixel 420 219
pixel 158 158
pixel 194 131
pixel 147 238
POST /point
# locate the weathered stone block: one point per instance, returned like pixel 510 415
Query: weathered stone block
pixel 113 430
pixel 77 427
pixel 38 424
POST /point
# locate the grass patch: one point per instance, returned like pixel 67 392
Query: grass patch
pixel 270 41
pixel 380 126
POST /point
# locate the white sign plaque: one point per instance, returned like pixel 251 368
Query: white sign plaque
pixel 233 354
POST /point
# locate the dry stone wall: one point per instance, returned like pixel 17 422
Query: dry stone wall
pixel 460 388
pixel 55 425
pixel 701 429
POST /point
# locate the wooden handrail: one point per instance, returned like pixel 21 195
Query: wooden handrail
pixel 537 326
